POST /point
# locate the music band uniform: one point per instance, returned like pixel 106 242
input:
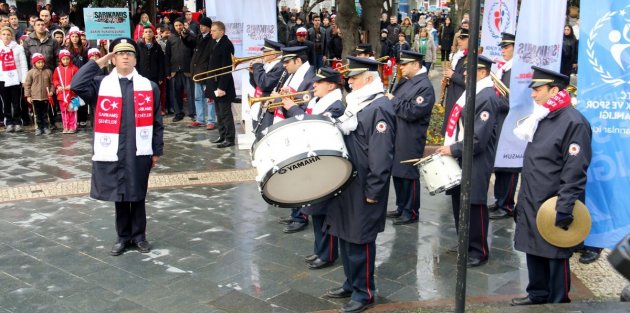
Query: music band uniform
pixel 326 245
pixel 457 82
pixel 554 164
pixel 350 217
pixel 484 144
pixel 265 77
pixel 505 179
pixel 413 101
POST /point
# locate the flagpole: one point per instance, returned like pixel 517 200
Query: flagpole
pixel 464 212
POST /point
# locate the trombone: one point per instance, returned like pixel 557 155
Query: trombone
pixel 235 62
pixel 306 97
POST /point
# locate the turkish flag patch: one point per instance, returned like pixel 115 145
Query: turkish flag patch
pixel 381 127
pixel 574 149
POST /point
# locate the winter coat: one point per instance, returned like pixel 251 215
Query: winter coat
pixel 126 179
pixel 19 56
pixel 221 56
pixel 413 102
pixel 37 84
pixel 150 61
pixel 62 77
pixel 554 164
pixel 48 47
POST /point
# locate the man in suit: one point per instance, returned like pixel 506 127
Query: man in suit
pixel 413 100
pixel 486 108
pixel 221 88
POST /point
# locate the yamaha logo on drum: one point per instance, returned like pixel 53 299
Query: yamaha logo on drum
pixel 297 165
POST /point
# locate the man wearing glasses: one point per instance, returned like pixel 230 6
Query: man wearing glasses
pixel 128 141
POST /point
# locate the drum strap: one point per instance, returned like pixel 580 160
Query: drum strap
pixel 348 114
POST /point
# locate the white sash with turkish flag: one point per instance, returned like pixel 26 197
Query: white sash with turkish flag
pixel 109 112
pixel 318 106
pixel 9 69
pixel 293 83
pixel 452 136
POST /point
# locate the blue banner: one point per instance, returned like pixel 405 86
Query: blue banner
pixel 106 23
pixel 604 99
pixel 537 44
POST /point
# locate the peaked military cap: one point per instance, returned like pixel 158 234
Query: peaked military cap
pixel 507 39
pixel 543 76
pixel 328 74
pixel 358 65
pixel 290 53
pixel 408 56
pixel 123 44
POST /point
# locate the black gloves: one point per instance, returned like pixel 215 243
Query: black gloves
pixel 563 220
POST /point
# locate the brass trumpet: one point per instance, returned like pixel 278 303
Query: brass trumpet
pixel 503 89
pixel 344 69
pixel 306 97
pixel 235 62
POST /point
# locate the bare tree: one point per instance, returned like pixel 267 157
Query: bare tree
pixel 370 21
pixel 308 6
pixel 348 21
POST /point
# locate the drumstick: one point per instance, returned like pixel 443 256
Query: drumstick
pixel 421 160
pixel 410 161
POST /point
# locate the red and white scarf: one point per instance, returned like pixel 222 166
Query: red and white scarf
pixel 108 116
pixel 526 128
pixel 9 68
pixel 504 67
pixel 452 134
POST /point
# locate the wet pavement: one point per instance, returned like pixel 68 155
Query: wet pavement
pixel 217 246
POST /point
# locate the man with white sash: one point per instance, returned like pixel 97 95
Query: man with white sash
pixel 128 141
pixel 487 104
pixel 326 101
pixel 357 215
pixel 455 75
pixel 505 179
pixel 265 77
pixel 301 75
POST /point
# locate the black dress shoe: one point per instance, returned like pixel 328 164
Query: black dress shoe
pixel 294 227
pixel 474 262
pixel 355 306
pixel 177 118
pixel 143 246
pixel 588 257
pixel 404 221
pixel 218 140
pixel 338 293
pixel 319 263
pixel 499 214
pixel 393 214
pixel 119 248
pixel 522 301
pixel 310 258
pixel 225 144
pixel 285 220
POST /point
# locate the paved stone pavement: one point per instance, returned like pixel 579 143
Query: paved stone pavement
pixel 216 244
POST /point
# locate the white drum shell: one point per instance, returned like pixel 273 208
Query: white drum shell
pixel 440 173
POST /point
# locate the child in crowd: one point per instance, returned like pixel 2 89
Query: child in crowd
pixel 61 80
pixel 38 89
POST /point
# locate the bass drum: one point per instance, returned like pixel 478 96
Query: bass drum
pixel 301 161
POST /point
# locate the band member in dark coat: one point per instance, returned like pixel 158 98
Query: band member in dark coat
pixel 413 101
pixel 221 88
pixel 301 75
pixel 127 138
pixel 358 214
pixel 484 144
pixel 326 101
pixel 455 74
pixel 555 163
pixel 265 78
pixel 505 179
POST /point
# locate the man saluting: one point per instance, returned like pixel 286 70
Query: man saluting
pixel 127 138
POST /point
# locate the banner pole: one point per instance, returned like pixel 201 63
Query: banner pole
pixel 464 212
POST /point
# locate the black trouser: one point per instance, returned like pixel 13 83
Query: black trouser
pixel 298 216
pixel 504 190
pixel 177 84
pixel 407 197
pixel 40 108
pixel 549 279
pixel 325 244
pixel 358 266
pixel 82 114
pixel 225 119
pixel 51 112
pixel 131 221
pixel 478 230
pixel 12 98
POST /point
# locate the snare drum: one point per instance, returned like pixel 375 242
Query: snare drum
pixel 439 173
pixel 301 161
